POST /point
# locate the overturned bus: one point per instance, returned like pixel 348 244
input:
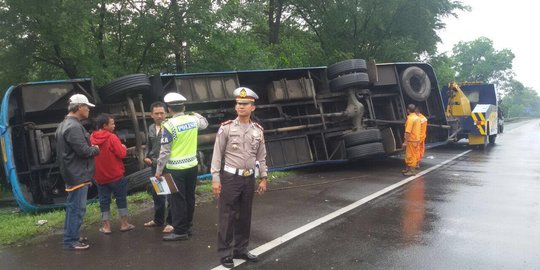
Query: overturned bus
pixel 351 110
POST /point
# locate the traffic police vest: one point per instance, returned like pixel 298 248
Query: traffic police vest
pixel 183 130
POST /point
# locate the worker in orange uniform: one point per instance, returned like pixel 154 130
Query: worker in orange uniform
pixel 423 134
pixel 412 141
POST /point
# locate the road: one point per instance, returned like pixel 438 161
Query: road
pixel 467 210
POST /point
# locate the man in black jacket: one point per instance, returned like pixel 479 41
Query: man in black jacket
pixel 158 114
pixel 75 156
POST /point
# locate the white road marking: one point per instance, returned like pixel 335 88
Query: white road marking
pixel 292 234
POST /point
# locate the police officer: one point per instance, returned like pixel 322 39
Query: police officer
pixel 178 154
pixel 239 145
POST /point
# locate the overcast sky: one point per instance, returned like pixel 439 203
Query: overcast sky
pixel 514 25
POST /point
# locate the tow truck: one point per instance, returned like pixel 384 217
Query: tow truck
pixel 473 113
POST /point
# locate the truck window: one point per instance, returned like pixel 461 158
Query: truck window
pixel 473 96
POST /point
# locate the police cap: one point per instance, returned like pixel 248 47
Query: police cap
pixel 174 99
pixel 245 95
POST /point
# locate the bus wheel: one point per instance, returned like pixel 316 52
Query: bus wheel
pixel 116 90
pixel 416 83
pixel 346 67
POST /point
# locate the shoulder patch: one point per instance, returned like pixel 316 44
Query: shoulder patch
pixel 226 122
pixel 257 125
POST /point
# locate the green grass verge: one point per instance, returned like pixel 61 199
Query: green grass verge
pixel 16 226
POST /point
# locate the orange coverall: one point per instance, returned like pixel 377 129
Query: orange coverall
pixel 423 132
pixel 412 127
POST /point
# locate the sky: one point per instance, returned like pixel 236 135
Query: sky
pixel 513 25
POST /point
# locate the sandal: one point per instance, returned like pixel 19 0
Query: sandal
pixel 128 228
pixel 104 231
pixel 151 223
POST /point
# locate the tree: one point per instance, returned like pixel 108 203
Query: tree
pixel 444 68
pixel 393 30
pixel 477 60
pixel 104 39
pixel 521 101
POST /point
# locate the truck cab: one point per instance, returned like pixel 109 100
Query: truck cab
pixel 473 112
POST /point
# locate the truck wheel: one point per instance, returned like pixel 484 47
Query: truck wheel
pixel 116 90
pixel 492 139
pixel 416 83
pixel 345 67
pixel 359 79
pixel 362 137
pixel 365 150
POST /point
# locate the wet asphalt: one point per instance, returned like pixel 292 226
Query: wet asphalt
pixel 480 211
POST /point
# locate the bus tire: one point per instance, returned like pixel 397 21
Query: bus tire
pixel 416 83
pixel 365 150
pixel 359 80
pixel 362 137
pixel 139 180
pixel 346 67
pixel 118 89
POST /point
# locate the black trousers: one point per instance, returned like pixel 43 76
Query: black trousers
pixel 183 201
pixel 235 203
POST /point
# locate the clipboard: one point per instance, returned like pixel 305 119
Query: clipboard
pixel 165 186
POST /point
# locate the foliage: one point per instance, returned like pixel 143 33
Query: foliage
pixel 520 101
pixel 391 30
pixel 104 39
pixel 479 61
pixel 444 68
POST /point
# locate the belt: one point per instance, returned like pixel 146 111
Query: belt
pixel 236 171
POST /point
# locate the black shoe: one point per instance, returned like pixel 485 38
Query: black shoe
pixel 190 232
pixel 247 257
pixel 227 262
pixel 175 237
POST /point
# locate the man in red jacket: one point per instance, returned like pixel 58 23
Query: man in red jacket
pixel 110 173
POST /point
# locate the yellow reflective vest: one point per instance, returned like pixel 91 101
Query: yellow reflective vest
pixel 183 130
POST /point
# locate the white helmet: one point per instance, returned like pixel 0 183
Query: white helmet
pixel 174 98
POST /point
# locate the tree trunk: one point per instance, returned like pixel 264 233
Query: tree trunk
pixel 101 35
pixel 65 63
pixel 275 9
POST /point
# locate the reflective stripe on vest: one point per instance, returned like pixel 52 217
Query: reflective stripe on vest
pixel 184 131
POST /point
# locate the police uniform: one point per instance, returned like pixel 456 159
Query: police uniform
pixel 178 154
pixel 237 149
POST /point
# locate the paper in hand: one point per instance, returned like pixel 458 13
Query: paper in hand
pixel 165 186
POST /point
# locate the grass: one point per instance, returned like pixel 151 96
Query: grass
pixel 16 226
pixel 4 193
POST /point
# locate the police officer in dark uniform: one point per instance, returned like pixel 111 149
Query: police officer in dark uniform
pixel 178 155
pixel 239 146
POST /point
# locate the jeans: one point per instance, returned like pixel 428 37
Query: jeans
pixel 119 189
pixel 160 202
pixel 160 205
pixel 75 210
